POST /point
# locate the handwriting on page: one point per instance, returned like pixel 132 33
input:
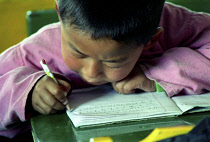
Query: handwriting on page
pixel 145 105
pixel 104 100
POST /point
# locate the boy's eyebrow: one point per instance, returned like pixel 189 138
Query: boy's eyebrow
pixel 120 60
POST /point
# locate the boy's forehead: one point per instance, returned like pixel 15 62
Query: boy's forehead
pixel 78 37
pixel 101 49
pixel 74 33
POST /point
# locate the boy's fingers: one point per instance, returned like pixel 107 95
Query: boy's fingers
pixel 114 87
pixel 48 96
pixel 56 91
pixel 150 86
pixel 65 86
pixel 51 101
pixel 40 110
pixel 44 108
pixel 123 87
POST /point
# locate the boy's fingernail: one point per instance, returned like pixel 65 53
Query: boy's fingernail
pixel 68 107
pixel 65 93
pixel 66 102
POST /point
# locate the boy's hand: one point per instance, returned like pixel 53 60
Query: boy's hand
pixel 135 80
pixel 49 97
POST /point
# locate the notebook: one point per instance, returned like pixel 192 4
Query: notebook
pixel 102 105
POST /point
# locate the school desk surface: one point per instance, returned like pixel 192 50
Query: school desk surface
pixel 58 127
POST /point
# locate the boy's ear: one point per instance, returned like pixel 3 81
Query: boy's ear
pixel 57 9
pixel 154 38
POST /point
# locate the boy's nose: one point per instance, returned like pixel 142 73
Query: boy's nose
pixel 92 69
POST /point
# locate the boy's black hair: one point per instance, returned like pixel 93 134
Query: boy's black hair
pixel 126 21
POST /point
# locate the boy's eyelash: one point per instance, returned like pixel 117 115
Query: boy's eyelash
pixel 77 56
pixel 113 67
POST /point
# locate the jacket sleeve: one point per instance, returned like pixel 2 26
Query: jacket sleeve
pixel 184 66
pixel 16 81
pixel 19 71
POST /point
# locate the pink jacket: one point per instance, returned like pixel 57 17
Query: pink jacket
pixel 179 62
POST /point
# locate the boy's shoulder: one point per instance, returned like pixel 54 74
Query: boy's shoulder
pixel 53 28
pixel 169 5
pixel 46 35
pixel 177 16
pixel 172 9
pixel 46 41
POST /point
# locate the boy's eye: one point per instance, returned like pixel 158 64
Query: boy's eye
pixel 113 66
pixel 77 55
pixel 116 64
pixel 74 52
pixel 117 67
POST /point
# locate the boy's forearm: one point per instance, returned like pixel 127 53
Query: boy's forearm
pixel 14 89
pixel 180 70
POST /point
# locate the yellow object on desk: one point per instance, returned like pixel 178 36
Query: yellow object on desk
pixel 101 139
pixel 167 132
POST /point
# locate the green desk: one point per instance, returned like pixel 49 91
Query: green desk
pixel 58 128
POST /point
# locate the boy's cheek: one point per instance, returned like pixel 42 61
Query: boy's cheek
pixel 71 63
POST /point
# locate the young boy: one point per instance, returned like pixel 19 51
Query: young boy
pixel 130 44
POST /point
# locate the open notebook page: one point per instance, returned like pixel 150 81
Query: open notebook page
pixel 103 104
pixel 188 102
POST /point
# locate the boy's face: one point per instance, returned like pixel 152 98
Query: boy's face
pixel 97 61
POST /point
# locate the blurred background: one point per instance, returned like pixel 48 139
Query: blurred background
pixel 13 24
pixel 13 27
